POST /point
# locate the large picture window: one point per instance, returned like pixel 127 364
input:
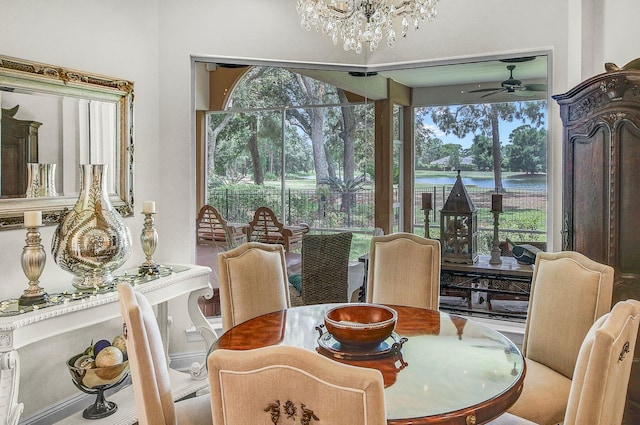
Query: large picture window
pixel 302 142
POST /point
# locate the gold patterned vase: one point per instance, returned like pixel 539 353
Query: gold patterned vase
pixel 92 240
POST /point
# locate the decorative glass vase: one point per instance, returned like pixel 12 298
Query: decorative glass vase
pixel 41 180
pixel 92 240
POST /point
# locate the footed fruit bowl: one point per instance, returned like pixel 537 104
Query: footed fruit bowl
pixel 361 326
pixel 95 380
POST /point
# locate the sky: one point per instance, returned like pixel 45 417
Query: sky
pixel 505 130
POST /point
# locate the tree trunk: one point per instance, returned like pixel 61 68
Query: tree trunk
pixel 258 175
pixel 348 137
pixel 317 142
pixel 497 154
pixel 212 141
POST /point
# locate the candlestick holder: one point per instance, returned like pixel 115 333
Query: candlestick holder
pixel 495 251
pixel 149 241
pixel 33 259
pixel 427 211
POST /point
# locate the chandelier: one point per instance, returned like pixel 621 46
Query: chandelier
pixel 363 21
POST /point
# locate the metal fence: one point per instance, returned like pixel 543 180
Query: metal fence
pixel 524 217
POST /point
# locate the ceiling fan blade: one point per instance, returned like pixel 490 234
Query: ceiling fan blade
pixel 483 90
pixel 495 92
pixel 524 93
pixel 535 87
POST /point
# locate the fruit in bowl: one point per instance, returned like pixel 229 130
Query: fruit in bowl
pixel 100 364
pixel 99 367
pixel 85 373
pixel 362 326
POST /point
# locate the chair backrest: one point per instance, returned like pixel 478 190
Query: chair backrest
pixel 265 227
pixel 212 228
pixel 569 292
pixel 404 269
pixel 147 363
pixel 325 268
pixel 601 377
pixel 284 384
pixel 253 281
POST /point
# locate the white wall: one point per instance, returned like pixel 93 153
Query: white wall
pixel 118 38
pixel 151 43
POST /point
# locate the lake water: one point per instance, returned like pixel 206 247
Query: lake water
pixel 538 182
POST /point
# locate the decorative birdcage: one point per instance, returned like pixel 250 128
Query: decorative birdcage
pixel 459 226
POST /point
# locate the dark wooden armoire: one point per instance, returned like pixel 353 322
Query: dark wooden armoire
pixel 18 146
pixel 601 189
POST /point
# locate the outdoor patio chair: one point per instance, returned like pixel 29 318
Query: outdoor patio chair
pixel 266 228
pixel 213 229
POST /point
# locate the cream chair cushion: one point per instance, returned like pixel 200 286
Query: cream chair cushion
pixel 404 269
pixel 601 376
pixel 569 292
pixel 253 281
pixel 290 383
pixel 148 366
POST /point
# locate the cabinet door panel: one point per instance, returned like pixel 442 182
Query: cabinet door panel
pixel 629 222
pixel 590 182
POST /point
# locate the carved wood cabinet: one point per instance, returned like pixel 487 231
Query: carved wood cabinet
pixel 19 145
pixel 601 189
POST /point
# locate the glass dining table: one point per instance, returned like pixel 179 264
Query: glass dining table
pixel 438 368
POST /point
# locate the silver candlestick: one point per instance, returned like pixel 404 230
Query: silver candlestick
pixel 495 251
pixel 149 241
pixel 33 259
pixel 426 223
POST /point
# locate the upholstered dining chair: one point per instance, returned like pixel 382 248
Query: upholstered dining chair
pixel 404 269
pixel 253 281
pixel 290 385
pixel 601 376
pixel 149 371
pixel 569 292
pixel 325 268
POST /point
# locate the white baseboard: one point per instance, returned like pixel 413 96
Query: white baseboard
pixel 57 412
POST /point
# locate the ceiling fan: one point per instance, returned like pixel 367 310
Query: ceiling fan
pixel 511 85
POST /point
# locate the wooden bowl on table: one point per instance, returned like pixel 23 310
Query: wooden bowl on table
pixel 360 326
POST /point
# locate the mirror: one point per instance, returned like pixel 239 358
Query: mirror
pixel 54 120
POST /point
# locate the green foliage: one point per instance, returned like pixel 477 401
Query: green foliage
pixel 528 149
pixel 482 152
pixel 270 177
pixel 484 119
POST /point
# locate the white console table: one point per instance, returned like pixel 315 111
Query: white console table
pixel 24 328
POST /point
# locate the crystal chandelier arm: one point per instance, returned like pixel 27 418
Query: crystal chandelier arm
pixel 363 21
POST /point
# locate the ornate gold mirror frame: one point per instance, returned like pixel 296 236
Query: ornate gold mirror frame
pixel 67 85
